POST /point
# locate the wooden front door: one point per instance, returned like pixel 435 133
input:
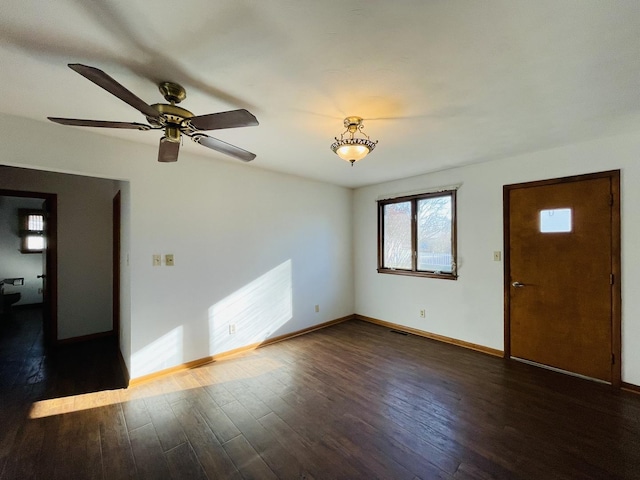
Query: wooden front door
pixel 562 285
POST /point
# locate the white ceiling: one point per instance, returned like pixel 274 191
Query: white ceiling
pixel 439 83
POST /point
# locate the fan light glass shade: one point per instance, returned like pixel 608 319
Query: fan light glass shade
pixel 353 148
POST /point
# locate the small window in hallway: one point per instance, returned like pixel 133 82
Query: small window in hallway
pixel 31 231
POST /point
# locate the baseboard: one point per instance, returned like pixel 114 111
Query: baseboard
pixel 26 306
pixel 230 353
pixel 432 336
pixel 84 338
pixel 630 387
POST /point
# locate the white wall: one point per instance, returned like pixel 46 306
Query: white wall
pixel 84 245
pixel 240 236
pixel 125 273
pixel 14 263
pixel 471 308
pixel 252 247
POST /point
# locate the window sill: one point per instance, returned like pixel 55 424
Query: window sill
pixel 410 273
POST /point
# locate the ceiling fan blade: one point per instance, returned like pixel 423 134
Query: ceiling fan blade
pixel 99 123
pixel 168 150
pixel 217 121
pixel 103 80
pixel 223 147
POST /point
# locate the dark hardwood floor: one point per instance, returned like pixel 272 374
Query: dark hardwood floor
pixel 29 369
pixel 353 401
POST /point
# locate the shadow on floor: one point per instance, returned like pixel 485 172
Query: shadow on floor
pixel 27 366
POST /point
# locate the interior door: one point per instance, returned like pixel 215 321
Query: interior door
pixel 561 274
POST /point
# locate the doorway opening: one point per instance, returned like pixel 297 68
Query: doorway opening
pixel 34 354
pixel 35 269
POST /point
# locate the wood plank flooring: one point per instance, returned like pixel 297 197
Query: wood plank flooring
pixel 352 401
pixel 26 366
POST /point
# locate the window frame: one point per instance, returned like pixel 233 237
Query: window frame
pixel 414 199
pixel 25 232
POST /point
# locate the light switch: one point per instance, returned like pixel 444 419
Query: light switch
pixel 157 260
pixel 497 256
pixel 168 259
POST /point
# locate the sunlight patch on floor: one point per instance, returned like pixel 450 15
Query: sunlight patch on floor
pixel 240 368
pixel 74 403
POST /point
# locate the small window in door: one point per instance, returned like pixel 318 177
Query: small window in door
pixel 557 220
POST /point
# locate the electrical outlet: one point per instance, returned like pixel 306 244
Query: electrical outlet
pixel 423 313
pixel 39 291
pixel 232 329
pixel 317 308
pixel 157 260
pixel 168 260
pixel 497 256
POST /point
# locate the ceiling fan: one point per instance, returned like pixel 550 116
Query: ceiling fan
pixel 174 120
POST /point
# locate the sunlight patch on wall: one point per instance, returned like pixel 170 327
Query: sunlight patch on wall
pixel 253 312
pixel 165 352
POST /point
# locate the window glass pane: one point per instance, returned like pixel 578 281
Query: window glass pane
pixel 35 242
pixel 35 222
pixel 434 234
pixel 397 235
pixel 557 220
pixel 418 235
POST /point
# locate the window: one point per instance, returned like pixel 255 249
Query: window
pixel 31 231
pixel 417 235
pixel 555 221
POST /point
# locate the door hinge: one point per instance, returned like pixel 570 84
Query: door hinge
pixel 611 199
pixel 611 279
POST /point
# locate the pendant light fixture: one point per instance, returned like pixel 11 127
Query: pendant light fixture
pixel 350 147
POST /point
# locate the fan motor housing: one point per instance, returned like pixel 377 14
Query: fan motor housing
pixel 169 114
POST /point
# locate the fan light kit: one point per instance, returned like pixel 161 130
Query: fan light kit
pixel 174 120
pixel 353 148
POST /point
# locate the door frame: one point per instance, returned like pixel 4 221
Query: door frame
pixel 116 252
pixel 50 325
pixel 616 290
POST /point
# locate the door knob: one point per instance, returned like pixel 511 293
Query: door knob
pixel 517 285
pixel 42 276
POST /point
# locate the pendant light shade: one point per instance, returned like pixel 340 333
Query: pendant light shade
pixel 353 148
